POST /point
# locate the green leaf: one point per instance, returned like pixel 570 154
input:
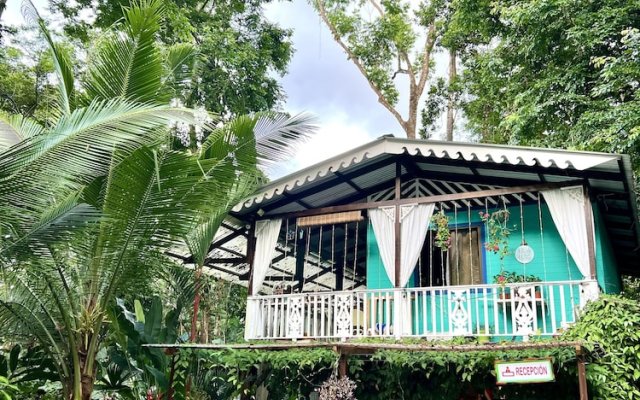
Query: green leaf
pixel 14 357
pixel 139 311
pixel 161 380
pixel 153 324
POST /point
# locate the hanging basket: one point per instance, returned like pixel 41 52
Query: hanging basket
pixel 440 223
pixel 336 388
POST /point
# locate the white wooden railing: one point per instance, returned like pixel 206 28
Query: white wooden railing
pixel 515 310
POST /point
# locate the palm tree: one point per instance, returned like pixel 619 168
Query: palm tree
pixel 84 199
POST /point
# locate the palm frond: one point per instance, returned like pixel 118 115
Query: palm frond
pixel 16 128
pixel 79 149
pixel 261 139
pixel 29 312
pixel 61 60
pixel 181 66
pixel 129 63
pixel 278 135
pixel 199 239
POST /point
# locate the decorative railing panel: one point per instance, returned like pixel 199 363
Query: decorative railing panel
pixel 514 310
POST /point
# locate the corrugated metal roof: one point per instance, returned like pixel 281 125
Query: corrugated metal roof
pixel 429 168
pixel 484 153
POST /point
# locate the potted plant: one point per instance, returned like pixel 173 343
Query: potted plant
pixel 440 223
pixel 497 232
pixel 505 277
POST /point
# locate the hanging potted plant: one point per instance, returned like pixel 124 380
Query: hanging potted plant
pixel 497 233
pixel 440 223
pixel 336 388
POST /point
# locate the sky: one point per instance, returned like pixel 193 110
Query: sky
pixel 320 81
pixel 323 82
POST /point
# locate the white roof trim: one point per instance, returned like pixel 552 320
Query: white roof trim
pixel 497 154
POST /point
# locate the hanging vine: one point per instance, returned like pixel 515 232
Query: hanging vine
pixel 440 223
pixel 498 233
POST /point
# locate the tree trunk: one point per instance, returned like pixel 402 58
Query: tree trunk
pixel 3 5
pixel 451 103
pixel 196 305
pixel 411 123
pixel 87 386
pixel 194 322
pixel 172 375
pixel 86 382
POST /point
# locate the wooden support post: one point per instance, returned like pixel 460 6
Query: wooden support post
pixel 251 252
pixel 582 374
pixel 398 231
pixel 588 217
pixel 342 365
pixel 340 273
pixel 300 254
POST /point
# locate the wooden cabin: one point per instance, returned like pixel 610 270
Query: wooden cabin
pixel 425 239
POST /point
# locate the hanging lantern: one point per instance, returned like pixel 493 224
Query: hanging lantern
pixel 524 253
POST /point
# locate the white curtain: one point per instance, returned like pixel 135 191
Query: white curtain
pixel 382 221
pixel 567 209
pixel 266 239
pixel 414 220
pixel 251 320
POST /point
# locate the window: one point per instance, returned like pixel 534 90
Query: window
pixel 460 265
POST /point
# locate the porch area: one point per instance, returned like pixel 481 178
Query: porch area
pixel 422 239
pixel 485 311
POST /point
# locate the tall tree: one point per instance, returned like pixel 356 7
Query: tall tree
pixel 85 199
pixel 239 49
pixel 26 77
pixel 561 73
pixel 3 6
pixel 398 40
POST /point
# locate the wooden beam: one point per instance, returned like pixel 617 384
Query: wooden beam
pixel 330 183
pixel 226 271
pixel 366 348
pixel 251 250
pixel 347 181
pixel 429 199
pixel 396 225
pixel 227 260
pixel 294 286
pixel 234 234
pixel 588 217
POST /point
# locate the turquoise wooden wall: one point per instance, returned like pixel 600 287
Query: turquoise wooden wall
pixel 551 262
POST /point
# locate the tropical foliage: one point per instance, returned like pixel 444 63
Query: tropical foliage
pixel 239 49
pixel 563 73
pixel 88 199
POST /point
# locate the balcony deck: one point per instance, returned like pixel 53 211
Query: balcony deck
pixel 491 311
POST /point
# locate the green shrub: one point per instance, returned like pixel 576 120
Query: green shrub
pixel 611 328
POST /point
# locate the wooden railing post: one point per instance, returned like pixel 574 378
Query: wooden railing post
pixel 582 374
